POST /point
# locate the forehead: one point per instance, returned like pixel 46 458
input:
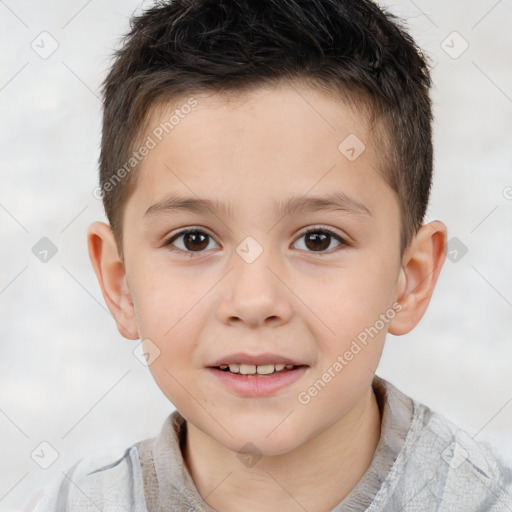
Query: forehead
pixel 267 143
pixel 294 112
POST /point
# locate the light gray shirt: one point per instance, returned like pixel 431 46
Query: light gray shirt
pixel 423 462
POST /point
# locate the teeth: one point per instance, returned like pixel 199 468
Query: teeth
pixel 251 369
pixel 246 369
pixel 234 368
pixel 265 369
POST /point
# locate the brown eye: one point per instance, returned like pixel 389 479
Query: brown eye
pixel 317 241
pixel 192 240
pixel 320 240
pixel 195 241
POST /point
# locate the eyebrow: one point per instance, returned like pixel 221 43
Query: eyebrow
pixel 337 201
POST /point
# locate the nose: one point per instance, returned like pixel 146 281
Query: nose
pixel 254 295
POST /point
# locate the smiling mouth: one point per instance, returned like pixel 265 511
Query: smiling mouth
pixel 257 370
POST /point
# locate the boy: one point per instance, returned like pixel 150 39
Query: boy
pixel 265 169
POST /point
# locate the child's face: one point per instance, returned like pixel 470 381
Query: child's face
pixel 304 299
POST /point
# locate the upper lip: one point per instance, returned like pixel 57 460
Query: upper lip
pixel 255 359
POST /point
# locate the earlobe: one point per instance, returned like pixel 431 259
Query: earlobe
pixel 421 265
pixel 110 271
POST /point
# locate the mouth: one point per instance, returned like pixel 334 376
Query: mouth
pixel 256 376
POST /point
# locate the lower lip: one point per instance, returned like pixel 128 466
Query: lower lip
pixel 258 385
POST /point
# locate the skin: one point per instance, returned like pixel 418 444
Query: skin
pixel 249 151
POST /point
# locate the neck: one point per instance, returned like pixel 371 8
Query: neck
pixel 294 481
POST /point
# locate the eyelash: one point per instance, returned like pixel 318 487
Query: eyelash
pixel 319 229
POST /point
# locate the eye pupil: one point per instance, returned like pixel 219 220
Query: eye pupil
pixel 321 239
pixel 195 241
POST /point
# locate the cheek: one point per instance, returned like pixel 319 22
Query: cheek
pixel 170 307
pixel 176 335
pixel 163 300
pixel 355 299
pixel 357 308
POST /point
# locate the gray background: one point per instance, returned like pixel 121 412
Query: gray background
pixel 67 375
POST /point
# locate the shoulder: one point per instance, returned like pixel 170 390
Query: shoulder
pixel 100 481
pixel 456 468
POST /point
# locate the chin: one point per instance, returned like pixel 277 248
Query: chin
pixel 262 447
pixel 260 439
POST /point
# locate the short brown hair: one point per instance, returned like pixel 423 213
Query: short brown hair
pixel 354 49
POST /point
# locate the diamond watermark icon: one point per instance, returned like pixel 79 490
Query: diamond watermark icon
pixel 146 352
pixel 454 454
pixel 249 455
pixel 249 249
pixel 351 147
pixel 456 249
pixel 454 45
pixel 44 455
pixel 45 45
pixel 44 250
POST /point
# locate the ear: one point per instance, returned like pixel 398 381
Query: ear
pixel 110 271
pixel 421 265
